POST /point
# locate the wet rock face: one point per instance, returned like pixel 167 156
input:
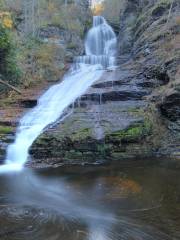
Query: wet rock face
pixel 102 127
pixel 160 10
pixel 126 35
pixel 170 107
pixel 6 137
pixel 156 56
pixel 158 73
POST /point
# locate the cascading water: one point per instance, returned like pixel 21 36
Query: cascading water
pixel 100 44
pixel 100 53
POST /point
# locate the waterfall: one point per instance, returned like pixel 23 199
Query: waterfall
pixel 100 47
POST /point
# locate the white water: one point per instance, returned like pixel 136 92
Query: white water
pixel 100 44
pixel 100 50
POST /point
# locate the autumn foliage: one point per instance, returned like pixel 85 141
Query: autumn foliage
pixel 6 20
pixel 97 9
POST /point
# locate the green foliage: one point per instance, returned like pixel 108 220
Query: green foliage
pixel 25 56
pixel 40 61
pixel 5 42
pixel 8 62
pixel 2 4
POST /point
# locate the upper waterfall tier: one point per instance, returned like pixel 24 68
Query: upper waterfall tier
pixel 101 39
pixel 100 44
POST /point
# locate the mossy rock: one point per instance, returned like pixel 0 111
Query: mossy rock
pixel 133 133
pixel 73 155
pixel 81 134
pixel 6 130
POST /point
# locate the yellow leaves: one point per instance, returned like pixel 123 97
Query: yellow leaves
pixel 6 20
pixel 51 7
pixel 97 9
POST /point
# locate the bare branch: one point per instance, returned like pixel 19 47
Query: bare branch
pixel 10 86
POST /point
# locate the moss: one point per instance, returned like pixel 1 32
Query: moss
pixel 5 130
pixel 133 133
pixel 104 149
pixel 133 110
pixel 73 155
pixel 81 134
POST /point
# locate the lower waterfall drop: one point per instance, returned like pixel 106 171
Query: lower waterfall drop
pixel 100 46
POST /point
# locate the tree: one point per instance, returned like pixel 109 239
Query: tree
pixel 31 14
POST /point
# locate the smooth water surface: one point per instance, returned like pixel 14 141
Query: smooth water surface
pixel 91 203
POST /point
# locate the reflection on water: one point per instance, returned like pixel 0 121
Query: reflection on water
pixel 101 203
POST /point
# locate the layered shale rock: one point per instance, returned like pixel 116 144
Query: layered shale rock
pixel 110 122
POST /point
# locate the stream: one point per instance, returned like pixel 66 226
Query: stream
pixel 110 202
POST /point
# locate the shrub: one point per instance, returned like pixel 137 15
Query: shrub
pixel 8 62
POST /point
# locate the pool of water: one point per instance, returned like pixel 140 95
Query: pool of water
pixel 110 202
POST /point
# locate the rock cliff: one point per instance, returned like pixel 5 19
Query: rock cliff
pixel 132 112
